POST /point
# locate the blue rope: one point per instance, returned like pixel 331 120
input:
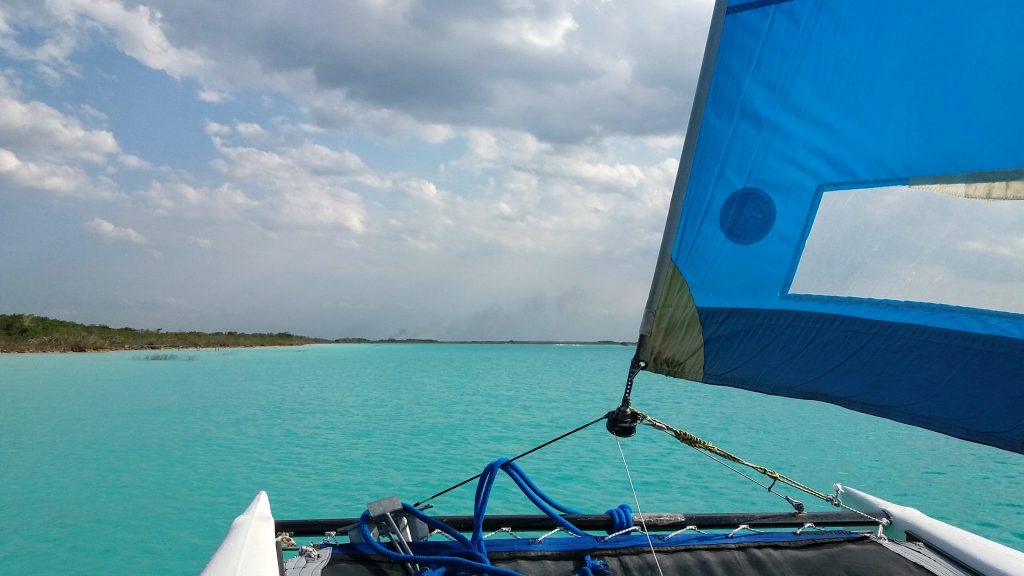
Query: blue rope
pixel 520 475
pixel 434 563
pixel 480 500
pixel 542 501
pixel 434 523
pixel 474 548
pixel 592 567
pixel 622 518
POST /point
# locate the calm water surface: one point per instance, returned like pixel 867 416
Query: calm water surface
pixel 112 460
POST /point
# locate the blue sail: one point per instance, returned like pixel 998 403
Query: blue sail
pixel 847 224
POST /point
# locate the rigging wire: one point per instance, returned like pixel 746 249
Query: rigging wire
pixel 702 446
pixel 643 523
pixel 794 503
pixel 707 448
pixel 513 459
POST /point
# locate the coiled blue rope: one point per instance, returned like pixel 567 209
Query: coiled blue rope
pixel 473 557
pixel 622 518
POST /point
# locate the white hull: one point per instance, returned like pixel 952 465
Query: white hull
pixel 249 548
pixel 979 554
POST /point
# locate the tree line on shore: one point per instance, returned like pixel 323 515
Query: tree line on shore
pixel 30 333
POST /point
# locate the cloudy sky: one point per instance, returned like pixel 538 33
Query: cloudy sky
pixel 361 168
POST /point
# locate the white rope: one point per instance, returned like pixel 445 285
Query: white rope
pixel 552 533
pixel 637 501
pixel 506 529
pixel 619 533
pixel 741 528
pixel 808 526
pixel 838 503
pixel 678 532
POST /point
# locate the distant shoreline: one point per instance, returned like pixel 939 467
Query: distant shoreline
pixel 326 342
pixel 344 342
pixel 433 341
pixel 143 349
pixel 30 334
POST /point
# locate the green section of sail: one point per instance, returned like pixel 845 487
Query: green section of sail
pixel 675 346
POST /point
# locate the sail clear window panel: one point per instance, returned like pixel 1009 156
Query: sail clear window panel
pixel 915 244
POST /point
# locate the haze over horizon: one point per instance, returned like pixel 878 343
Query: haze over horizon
pixel 377 169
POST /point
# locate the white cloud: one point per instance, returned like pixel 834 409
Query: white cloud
pixel 423 190
pixel 65 27
pixel 108 231
pixel 57 179
pixel 216 129
pixel 306 186
pixel 536 34
pixel 562 70
pixel 134 162
pixel 213 96
pixel 90 113
pixel 333 109
pixel 204 243
pixel 320 159
pixel 547 198
pixel 317 208
pixel 224 203
pixel 138 33
pixel 42 149
pixel 250 130
pixel 278 167
pixel 50 54
pixel 34 127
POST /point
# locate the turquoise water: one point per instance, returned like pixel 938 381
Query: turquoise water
pixel 112 460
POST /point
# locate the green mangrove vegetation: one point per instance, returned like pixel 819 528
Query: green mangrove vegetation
pixel 30 333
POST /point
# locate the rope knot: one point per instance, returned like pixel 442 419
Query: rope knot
pixel 622 518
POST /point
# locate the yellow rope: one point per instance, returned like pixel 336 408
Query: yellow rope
pixel 701 444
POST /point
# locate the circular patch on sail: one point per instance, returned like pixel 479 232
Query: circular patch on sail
pixel 747 215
